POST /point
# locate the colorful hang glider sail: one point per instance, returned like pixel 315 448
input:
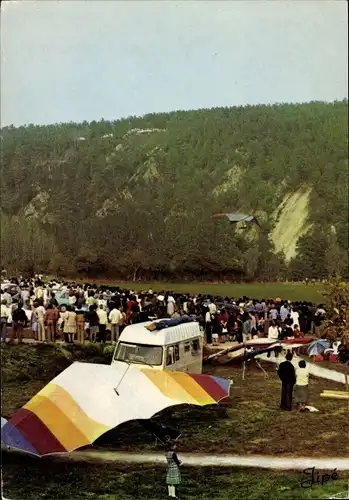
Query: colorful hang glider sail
pixel 235 218
pixel 86 400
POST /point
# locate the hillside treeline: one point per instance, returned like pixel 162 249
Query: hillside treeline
pixel 134 198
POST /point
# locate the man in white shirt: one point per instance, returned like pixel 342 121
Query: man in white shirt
pixel 45 296
pixel 40 316
pixel 90 301
pixel 72 299
pixel 5 312
pixel 115 317
pixel 208 327
pixel 102 302
pixel 273 331
pixel 320 311
pixel 284 312
pixel 103 320
pixel 295 317
pixel 39 293
pixel 6 296
pixel 253 323
pixel 25 298
pixel 273 313
pixel 170 306
pixel 212 308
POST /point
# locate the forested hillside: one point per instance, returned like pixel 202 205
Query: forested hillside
pixel 135 197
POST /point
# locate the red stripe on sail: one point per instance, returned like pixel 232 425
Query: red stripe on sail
pixel 209 384
pixel 36 432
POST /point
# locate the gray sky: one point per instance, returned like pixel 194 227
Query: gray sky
pixel 84 60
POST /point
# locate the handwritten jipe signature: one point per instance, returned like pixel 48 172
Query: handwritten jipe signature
pixel 318 478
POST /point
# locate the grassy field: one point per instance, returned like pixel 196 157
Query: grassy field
pixel 288 291
pixel 51 479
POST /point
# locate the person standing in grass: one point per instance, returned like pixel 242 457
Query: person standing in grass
pixel 246 328
pixel 208 326
pixel 115 318
pixel 103 320
pixel 25 297
pixel 122 323
pixel 286 373
pixel 93 321
pixel 173 477
pixel 5 313
pixel 40 312
pixel 302 384
pixel 51 318
pixel 69 325
pixel 19 322
pixel 33 323
pixel 90 300
pixel 171 306
pixel 80 325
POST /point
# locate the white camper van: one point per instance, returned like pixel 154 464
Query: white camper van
pixel 176 348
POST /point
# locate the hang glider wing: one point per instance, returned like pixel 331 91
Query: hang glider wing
pixel 86 400
pixel 235 218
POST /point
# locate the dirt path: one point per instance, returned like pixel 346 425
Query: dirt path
pixel 198 460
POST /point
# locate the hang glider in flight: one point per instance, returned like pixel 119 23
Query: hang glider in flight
pixel 236 218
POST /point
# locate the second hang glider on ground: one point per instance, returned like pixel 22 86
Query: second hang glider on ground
pixel 86 400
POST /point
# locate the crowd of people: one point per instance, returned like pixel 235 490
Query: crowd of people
pixel 100 313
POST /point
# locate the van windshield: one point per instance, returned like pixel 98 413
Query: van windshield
pixel 139 353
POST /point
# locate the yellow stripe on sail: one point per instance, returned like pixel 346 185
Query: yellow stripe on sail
pixel 168 386
pixel 83 428
pixel 194 389
pixel 179 386
pixel 58 423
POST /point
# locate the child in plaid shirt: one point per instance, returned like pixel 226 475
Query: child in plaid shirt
pixel 173 477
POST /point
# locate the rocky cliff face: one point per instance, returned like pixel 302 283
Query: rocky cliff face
pixel 291 222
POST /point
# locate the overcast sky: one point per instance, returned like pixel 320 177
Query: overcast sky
pixel 84 60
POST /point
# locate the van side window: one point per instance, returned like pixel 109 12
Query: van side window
pixel 195 347
pixel 187 347
pixel 169 356
pixel 172 354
